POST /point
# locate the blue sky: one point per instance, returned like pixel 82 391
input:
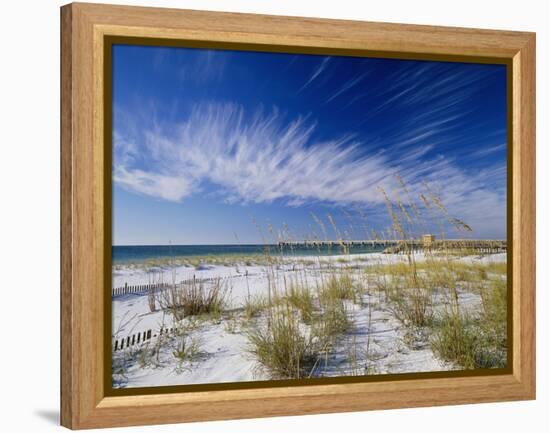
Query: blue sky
pixel 218 146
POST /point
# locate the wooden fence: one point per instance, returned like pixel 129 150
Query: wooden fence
pixel 139 338
pixel 146 288
pixel 137 289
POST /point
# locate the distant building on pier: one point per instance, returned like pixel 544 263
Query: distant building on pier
pixel 428 240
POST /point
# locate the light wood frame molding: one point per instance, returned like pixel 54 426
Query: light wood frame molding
pixel 84 403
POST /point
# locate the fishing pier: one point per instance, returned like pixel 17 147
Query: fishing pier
pixel 396 246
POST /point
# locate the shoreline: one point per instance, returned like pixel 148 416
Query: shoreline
pixel 234 258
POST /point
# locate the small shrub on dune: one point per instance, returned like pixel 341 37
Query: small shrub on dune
pixel 333 318
pixel 332 322
pixel 300 297
pixel 495 302
pixel 454 341
pixel 283 347
pixel 254 305
pixel 338 287
pixel 474 342
pixel 194 298
pixel 412 307
pixel 478 341
pixel 494 325
pixel 300 327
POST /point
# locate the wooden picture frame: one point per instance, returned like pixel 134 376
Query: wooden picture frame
pixel 85 402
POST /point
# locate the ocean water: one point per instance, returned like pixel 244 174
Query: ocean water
pixel 139 253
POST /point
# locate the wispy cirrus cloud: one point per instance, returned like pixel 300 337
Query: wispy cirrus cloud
pixel 262 158
pixel 318 70
pixel 167 187
pixel 439 90
pixel 347 86
pixel 489 150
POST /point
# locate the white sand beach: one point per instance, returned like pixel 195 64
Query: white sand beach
pixel 376 338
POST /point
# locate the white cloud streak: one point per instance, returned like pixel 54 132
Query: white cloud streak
pixel 322 66
pixel 488 151
pixel 263 159
pixel 171 188
pixel 347 86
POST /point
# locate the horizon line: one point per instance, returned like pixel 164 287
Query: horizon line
pixel 295 242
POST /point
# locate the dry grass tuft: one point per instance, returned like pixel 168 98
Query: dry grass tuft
pixel 283 347
pixel 197 297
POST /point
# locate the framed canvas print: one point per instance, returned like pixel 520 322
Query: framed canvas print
pixel 270 216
